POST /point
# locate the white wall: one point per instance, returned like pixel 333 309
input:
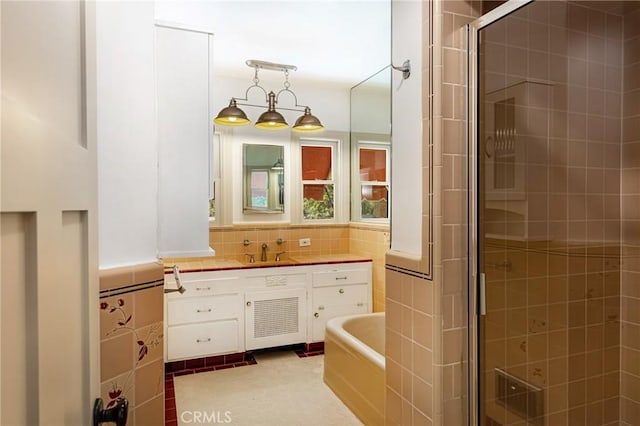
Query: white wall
pixel 406 157
pixel 126 122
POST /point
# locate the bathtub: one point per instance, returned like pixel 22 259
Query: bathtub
pixel 354 364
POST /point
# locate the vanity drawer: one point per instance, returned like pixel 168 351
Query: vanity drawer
pixel 352 295
pixel 338 277
pixel 197 340
pixel 202 284
pixel 200 309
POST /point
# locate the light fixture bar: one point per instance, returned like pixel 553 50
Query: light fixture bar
pixel 265 65
pixel 301 109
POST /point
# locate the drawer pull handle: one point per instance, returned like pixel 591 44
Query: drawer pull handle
pixel 203 288
pixel 341 278
pixel 360 304
pixel 203 310
pixel 316 315
pixel 341 291
pixel 321 308
pixel 249 303
pixel 207 340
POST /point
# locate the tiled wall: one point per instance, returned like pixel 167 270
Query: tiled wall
pixel 630 213
pixel 356 238
pixel 453 240
pixel 131 340
pixel 327 239
pixel 426 317
pixel 372 241
pixel 560 327
pixel 412 389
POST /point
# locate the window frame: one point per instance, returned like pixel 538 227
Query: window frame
pixel 335 179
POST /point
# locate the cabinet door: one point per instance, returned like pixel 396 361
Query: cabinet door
pixel 197 340
pixel 339 295
pixel 275 318
pixel 336 301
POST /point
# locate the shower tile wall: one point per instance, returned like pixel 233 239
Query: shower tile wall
pixel 630 190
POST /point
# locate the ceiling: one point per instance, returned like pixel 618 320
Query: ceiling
pixel 340 42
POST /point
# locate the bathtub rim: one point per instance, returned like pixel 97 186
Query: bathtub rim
pixel 335 326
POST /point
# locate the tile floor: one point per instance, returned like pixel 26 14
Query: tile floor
pixel 280 389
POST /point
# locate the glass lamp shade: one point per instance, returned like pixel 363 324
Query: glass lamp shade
pixel 271 120
pixel 231 116
pixel 307 122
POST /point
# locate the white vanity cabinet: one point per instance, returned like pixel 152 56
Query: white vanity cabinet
pixel 342 290
pixel 229 311
pixel 207 319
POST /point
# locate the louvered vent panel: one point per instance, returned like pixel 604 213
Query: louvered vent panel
pixel 275 317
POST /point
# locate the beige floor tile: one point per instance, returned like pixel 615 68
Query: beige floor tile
pixel 281 389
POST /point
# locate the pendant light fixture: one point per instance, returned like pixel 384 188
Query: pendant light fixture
pixel 270 119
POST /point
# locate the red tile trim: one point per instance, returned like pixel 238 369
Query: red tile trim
pixel 310 349
pixel 168 271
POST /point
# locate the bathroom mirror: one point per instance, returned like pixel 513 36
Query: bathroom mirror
pixel 371 148
pixel 263 178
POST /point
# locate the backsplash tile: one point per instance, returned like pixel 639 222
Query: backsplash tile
pixel 355 238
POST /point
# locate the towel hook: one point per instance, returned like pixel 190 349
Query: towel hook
pixel 405 68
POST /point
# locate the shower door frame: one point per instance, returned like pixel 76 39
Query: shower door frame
pixel 476 296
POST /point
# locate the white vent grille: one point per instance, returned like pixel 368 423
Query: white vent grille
pixel 275 317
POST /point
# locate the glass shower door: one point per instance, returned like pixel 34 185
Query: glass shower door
pixel 549 230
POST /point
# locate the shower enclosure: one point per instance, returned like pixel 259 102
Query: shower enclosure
pixel 555 213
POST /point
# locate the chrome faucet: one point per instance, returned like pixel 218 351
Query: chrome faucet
pixel 263 256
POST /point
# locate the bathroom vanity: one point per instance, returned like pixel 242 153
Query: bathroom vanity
pixel 231 307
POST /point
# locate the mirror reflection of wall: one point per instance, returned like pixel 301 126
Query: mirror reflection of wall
pixel 263 178
pixel 371 148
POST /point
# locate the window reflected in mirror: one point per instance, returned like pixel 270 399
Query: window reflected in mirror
pixel 318 186
pixel 263 178
pixel 374 181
